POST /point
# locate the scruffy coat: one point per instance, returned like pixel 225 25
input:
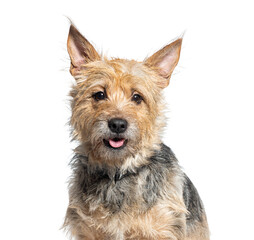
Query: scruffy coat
pixel 137 191
pixel 154 201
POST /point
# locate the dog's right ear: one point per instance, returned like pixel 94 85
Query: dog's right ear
pixel 80 50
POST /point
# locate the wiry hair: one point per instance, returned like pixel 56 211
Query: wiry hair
pixel 138 191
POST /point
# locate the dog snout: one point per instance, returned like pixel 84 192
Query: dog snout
pixel 117 125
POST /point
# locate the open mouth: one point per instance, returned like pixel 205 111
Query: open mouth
pixel 115 143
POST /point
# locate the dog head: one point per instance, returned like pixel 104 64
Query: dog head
pixel 116 103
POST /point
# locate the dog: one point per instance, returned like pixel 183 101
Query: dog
pixel 126 183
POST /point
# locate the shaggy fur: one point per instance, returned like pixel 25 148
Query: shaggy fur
pixel 126 183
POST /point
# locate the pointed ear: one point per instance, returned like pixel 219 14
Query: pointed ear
pixel 80 50
pixel 165 60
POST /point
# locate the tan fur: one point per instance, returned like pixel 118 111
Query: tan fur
pixel 85 218
pixel 199 231
pixel 122 78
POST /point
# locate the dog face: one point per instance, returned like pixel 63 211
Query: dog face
pixel 116 107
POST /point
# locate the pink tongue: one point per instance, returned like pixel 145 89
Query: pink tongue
pixel 116 144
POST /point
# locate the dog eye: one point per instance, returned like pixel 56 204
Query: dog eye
pixel 99 96
pixel 137 98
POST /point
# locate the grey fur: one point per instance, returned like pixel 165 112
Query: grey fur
pixel 115 190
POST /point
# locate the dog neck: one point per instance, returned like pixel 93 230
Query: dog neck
pixel 104 171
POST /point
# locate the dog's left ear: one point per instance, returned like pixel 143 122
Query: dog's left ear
pixel 165 60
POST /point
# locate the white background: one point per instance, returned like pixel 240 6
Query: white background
pixel 210 126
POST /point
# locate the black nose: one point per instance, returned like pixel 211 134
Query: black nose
pixel 117 125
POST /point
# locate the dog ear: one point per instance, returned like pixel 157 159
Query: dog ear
pixel 165 60
pixel 80 50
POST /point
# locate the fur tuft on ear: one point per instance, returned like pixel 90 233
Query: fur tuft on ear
pixel 165 60
pixel 80 50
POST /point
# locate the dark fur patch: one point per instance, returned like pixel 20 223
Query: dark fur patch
pixel 114 190
pixel 192 201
